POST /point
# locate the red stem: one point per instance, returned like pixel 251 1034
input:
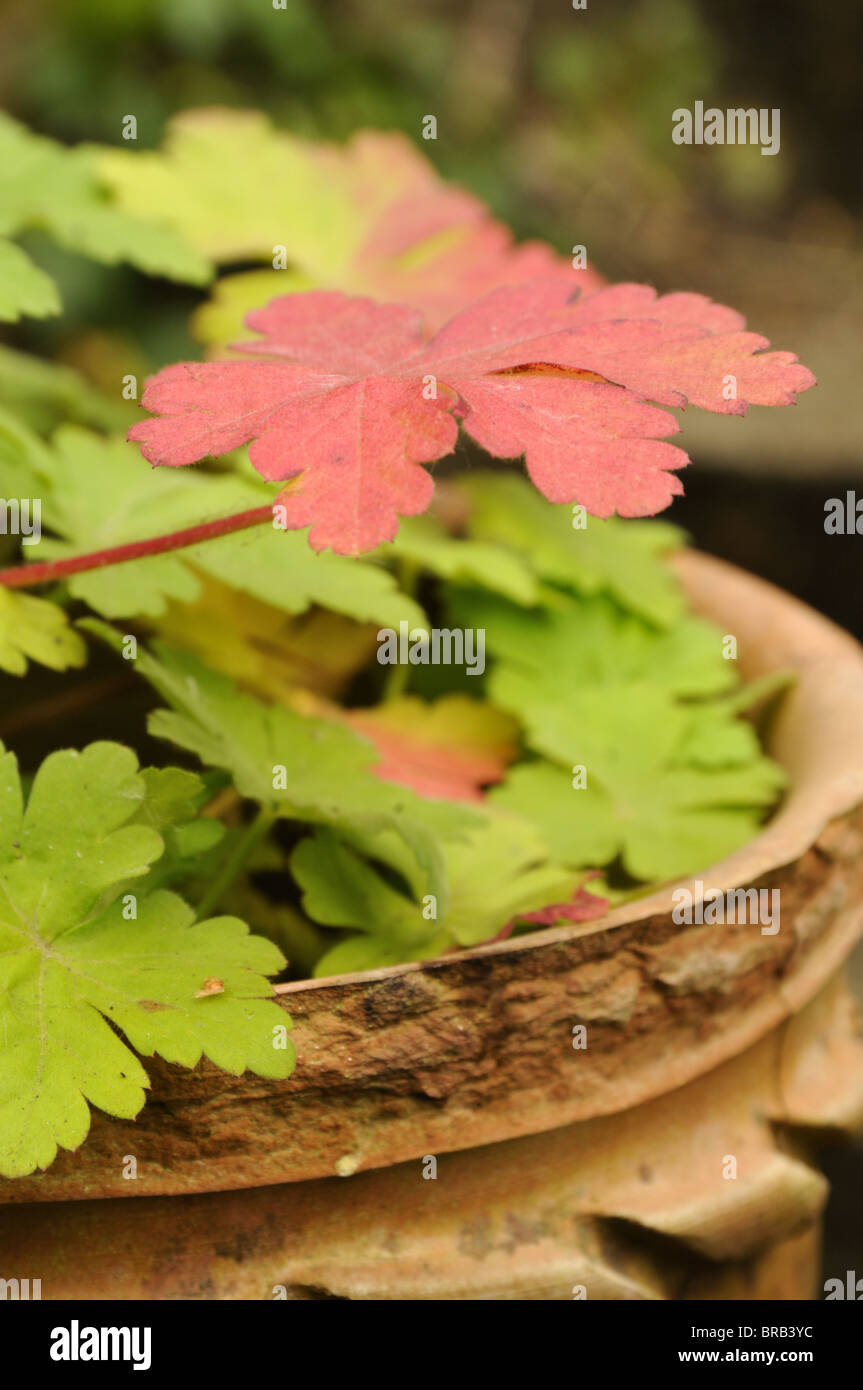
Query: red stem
pixel 25 576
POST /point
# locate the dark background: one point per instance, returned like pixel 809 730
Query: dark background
pixel 561 119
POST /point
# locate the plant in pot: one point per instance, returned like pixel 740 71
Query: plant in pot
pixel 460 775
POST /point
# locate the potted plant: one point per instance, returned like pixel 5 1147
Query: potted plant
pixel 497 844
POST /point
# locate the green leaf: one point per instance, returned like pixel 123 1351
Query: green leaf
pixel 280 568
pixel 172 801
pixel 233 187
pixel 36 629
pixel 540 655
pixel 650 795
pixel 23 458
pixel 47 187
pixel 497 872
pixel 423 542
pixel 78 961
pixel 300 768
pixel 24 288
pixel 624 559
pixel 44 394
pixel 102 493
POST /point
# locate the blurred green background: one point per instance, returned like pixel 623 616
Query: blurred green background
pixel 561 119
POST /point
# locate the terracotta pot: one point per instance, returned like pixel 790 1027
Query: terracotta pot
pixel 712 1051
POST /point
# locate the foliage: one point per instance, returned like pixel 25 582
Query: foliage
pixel 48 188
pixel 352 399
pixel 88 950
pixel 357 815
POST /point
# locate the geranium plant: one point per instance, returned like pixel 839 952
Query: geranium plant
pixel 416 705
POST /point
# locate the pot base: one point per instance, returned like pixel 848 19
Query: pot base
pixel 705 1192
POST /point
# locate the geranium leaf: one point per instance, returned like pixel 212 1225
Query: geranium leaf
pixel 450 749
pixel 35 629
pixel 268 652
pixel 501 870
pixel 370 217
pixel 423 541
pixel 640 789
pixel 230 185
pixel 353 400
pixel 172 800
pixel 46 187
pixel 579 553
pixel 542 655
pixel 101 493
pixel 300 767
pixel 583 906
pixel 79 961
pixel 24 288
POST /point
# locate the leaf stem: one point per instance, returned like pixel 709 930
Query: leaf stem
pixel 46 571
pixel 253 833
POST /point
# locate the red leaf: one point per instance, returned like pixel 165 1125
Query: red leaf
pixel 582 907
pixel 353 400
pixel 450 749
pixel 429 243
pixel 481 258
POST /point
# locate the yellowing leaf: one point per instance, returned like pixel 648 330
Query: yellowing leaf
pixel 36 629
pixel 264 650
pixel 47 187
pixel 372 216
pixel 234 188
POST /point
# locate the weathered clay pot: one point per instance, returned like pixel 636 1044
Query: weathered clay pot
pixel 712 1051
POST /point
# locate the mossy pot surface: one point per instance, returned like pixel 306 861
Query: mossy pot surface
pixel 476 1048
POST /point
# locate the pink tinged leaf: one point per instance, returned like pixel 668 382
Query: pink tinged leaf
pixel 533 369
pixel 583 441
pixel 628 301
pixel 432 769
pixel 479 261
pixel 210 408
pixel 502 330
pixel 418 217
pixel 582 907
pixel 332 333
pixel 724 373
pixel 358 450
pixel 673 350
